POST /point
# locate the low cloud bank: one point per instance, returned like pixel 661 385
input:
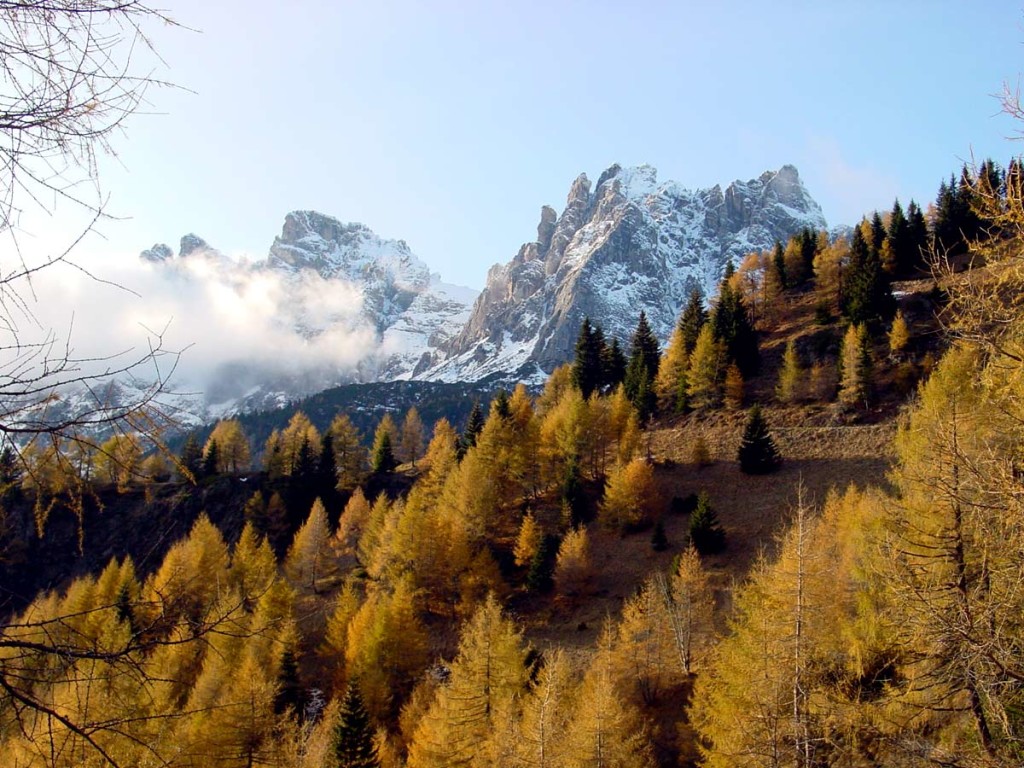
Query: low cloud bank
pixel 237 324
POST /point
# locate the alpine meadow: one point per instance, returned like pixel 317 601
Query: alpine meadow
pixel 694 477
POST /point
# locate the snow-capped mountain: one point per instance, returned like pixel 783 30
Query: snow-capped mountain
pixel 631 243
pixel 362 307
pixel 414 312
pixel 334 303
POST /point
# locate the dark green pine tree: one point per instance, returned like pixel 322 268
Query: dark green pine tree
pixel 706 534
pixel 211 459
pixel 382 458
pixel 500 405
pixel 918 237
pixel 642 369
pixel 877 232
pixel 192 457
pixel 645 345
pixel 572 493
pixel 327 466
pixel 542 567
pixel 290 694
pixel 730 323
pixel 808 250
pixel 327 469
pixel 779 265
pixel 474 426
pixel 587 371
pixel 613 365
pixel 692 319
pixel 969 206
pixel 305 463
pixel 353 735
pixel 955 223
pixel 757 453
pixel 901 260
pixel 866 293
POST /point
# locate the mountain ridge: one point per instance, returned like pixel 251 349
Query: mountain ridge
pixel 628 242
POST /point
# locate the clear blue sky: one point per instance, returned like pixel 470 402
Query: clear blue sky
pixel 449 124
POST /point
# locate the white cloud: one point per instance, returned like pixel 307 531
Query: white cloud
pixel 236 324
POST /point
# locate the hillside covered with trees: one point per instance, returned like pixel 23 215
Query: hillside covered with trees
pixel 792 537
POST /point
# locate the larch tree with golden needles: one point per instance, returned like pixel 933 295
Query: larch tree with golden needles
pixel 606 728
pixel 300 435
pixel 411 437
pixel 628 496
pixel 310 559
pixel 573 567
pixel 705 376
pixel 487 677
pixel 899 335
pixel 386 649
pixel 855 368
pixel 350 454
pixel 233 451
pixel 791 376
pixel 528 540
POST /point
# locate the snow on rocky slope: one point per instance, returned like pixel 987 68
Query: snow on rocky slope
pixel 631 243
pixel 351 306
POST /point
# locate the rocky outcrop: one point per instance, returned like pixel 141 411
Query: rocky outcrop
pixel 628 244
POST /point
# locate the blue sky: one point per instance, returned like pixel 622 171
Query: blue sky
pixel 449 124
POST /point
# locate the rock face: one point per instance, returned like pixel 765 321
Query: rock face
pixel 412 310
pixel 629 243
pixel 621 245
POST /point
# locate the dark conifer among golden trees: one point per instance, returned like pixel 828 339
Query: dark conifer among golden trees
pixel 757 453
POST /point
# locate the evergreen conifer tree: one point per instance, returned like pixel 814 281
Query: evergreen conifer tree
pixel 191 457
pixel 327 467
pixel 899 247
pixel 572 493
pixel 382 458
pixel 917 236
pixel 779 265
pixel 866 291
pixel 474 426
pixel 706 534
pixel 808 251
pixel 500 405
pixel 542 567
pixel 692 319
pixel 587 371
pixel 211 458
pixel 645 346
pixel 305 462
pixel 731 325
pixel 613 365
pixel 290 694
pixel 757 453
pixel 353 735
pixel 642 369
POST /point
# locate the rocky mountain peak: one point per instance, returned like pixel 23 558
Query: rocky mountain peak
pixel 192 243
pixel 159 253
pixel 631 244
